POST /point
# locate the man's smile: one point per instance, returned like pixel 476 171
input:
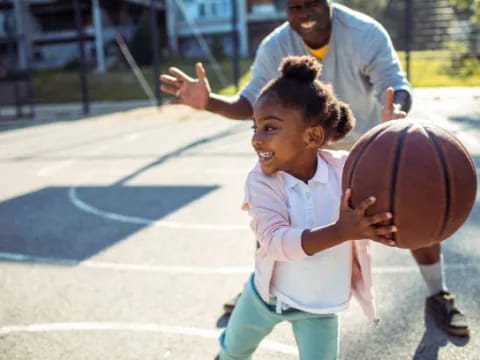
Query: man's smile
pixel 308 25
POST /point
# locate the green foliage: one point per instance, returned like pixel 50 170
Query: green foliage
pixel 373 8
pixel 474 5
pixel 463 63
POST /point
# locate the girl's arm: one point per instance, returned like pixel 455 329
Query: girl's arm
pixel 352 224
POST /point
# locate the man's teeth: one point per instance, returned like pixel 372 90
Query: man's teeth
pixel 265 155
pixel 307 25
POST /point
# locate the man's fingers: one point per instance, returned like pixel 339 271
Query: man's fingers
pixel 388 110
pixel 170 90
pixel 179 74
pixel 176 101
pixel 170 80
pixel 398 114
pixel 388 103
pixel 200 70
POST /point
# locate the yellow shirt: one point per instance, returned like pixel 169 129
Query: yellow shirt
pixel 318 53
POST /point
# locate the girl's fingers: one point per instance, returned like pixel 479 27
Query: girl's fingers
pixel 365 204
pixel 346 199
pixel 379 218
pixel 179 74
pixel 385 230
pixel 384 241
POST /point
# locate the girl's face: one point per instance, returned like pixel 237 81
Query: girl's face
pixel 283 139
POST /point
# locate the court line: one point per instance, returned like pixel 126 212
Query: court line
pixel 47 171
pixel 76 201
pixel 180 269
pixel 135 327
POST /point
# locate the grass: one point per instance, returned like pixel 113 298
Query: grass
pixel 428 69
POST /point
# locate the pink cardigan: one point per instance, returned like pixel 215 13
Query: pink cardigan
pixel 266 200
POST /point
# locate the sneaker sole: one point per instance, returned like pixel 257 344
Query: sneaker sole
pixel 460 332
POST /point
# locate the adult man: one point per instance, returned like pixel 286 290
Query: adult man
pixel 360 62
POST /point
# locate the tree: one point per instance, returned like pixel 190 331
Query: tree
pixel 473 5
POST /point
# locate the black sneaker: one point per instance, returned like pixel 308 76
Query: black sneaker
pixel 446 314
pixel 230 304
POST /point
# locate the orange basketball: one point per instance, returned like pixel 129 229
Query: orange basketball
pixel 419 172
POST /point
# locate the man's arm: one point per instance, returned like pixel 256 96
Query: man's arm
pixel 233 107
pixel 384 70
pixel 197 94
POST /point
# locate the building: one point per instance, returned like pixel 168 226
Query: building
pixel 196 27
pixel 44 32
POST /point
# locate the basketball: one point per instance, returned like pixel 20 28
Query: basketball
pixel 419 172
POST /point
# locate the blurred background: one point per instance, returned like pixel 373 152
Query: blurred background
pixel 57 51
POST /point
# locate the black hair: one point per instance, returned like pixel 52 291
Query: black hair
pixel 299 87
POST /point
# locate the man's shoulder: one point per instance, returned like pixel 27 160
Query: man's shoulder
pixel 353 20
pixel 278 35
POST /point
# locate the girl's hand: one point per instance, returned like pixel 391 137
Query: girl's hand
pixel 353 224
pixel 189 91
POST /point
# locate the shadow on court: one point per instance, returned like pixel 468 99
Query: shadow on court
pixel 433 340
pixel 46 224
pixel 48 114
pixel 470 121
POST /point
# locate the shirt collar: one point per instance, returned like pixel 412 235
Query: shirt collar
pixel 320 176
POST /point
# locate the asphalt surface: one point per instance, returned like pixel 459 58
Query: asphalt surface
pixel 121 236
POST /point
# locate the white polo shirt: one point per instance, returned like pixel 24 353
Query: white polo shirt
pixel 320 283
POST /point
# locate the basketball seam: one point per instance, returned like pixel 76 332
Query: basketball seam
pixel 395 166
pixel 447 181
pixel 362 151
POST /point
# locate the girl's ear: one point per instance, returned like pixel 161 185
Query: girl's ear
pixel 314 137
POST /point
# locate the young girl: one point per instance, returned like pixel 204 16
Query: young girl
pixel 306 265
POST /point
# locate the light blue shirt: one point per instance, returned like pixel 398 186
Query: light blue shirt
pixel 360 64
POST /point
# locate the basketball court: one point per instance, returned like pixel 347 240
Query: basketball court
pixel 121 236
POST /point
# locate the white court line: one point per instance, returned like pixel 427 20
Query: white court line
pixel 135 327
pixel 131 137
pixel 179 269
pixel 72 194
pixel 47 171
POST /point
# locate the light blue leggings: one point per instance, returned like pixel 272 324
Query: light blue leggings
pixel 252 319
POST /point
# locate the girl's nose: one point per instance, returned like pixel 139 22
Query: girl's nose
pixel 256 139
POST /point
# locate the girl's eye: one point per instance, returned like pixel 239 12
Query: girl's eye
pixel 269 128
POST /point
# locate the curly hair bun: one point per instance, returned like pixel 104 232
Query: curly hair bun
pixel 301 68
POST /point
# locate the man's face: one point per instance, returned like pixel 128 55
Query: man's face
pixel 309 18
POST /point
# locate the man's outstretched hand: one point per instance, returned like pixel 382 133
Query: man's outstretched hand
pixel 189 91
pixel 391 111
